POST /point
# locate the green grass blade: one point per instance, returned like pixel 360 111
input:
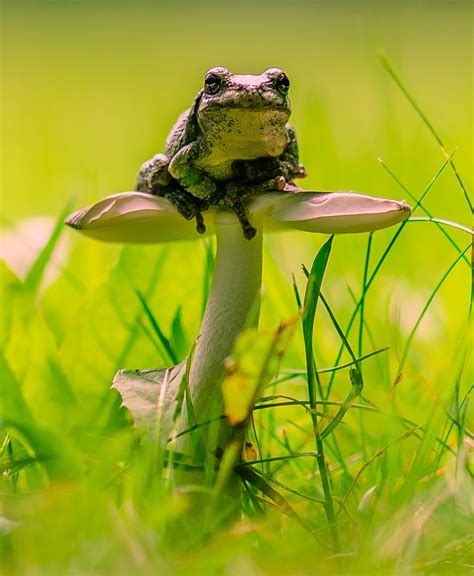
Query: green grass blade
pixel 425 210
pixel 391 71
pixel 156 327
pixel 312 294
pixel 147 293
pixel 283 506
pixel 151 337
pixel 362 298
pixel 355 374
pixel 423 312
pixel 296 292
pixel 376 270
pixel 36 272
pixel 445 223
pixel 315 370
pixel 179 337
pixel 377 455
pixel 340 332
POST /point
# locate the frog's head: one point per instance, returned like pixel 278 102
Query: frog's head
pixel 245 108
pixel 223 89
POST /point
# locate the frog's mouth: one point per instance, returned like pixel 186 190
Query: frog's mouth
pixel 250 100
pixel 242 105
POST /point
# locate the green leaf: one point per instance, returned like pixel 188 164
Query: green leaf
pixel 109 328
pixel 152 398
pixel 255 360
pixel 13 408
pixel 30 351
pixel 52 450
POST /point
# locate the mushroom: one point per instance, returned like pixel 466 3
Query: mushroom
pixel 135 217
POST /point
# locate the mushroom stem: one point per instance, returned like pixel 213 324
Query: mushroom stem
pixel 234 293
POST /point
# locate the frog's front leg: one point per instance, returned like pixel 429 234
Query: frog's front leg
pixel 154 178
pixel 290 157
pixel 191 178
pixel 185 203
pixel 231 196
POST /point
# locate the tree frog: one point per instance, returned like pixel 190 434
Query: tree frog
pixel 232 143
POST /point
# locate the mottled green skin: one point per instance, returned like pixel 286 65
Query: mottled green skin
pixel 232 143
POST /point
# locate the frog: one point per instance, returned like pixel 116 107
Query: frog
pixel 233 143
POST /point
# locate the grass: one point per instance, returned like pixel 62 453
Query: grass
pixel 381 381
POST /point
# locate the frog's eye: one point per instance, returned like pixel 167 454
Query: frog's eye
pixel 282 83
pixel 212 83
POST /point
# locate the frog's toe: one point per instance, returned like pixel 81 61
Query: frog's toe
pixel 277 183
pixel 190 208
pixel 200 226
pixel 249 232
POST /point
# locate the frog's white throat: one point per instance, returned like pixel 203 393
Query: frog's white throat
pixel 242 135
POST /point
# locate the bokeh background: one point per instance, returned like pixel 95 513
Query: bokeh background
pixel 90 89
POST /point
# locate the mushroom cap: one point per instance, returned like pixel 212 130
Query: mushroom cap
pixel 134 217
pixel 336 212
pixel 138 217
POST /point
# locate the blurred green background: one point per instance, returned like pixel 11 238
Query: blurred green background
pixel 91 90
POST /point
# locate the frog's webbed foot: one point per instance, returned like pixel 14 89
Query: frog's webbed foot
pixel 262 174
pixel 277 183
pixel 185 203
pixel 258 169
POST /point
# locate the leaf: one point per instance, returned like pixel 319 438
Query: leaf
pixel 36 272
pixel 51 449
pixel 105 330
pixel 254 362
pixel 30 351
pixel 13 408
pixel 152 398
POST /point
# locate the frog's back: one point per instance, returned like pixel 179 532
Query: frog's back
pixel 177 138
